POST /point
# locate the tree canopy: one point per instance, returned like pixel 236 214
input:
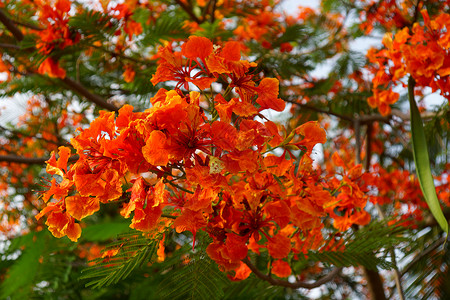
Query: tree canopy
pixel 225 149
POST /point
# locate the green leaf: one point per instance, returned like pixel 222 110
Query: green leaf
pixel 104 231
pixel 422 160
pixel 198 279
pixel 134 249
pixel 20 278
pixel 366 247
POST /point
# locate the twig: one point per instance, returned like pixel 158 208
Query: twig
pixel 397 274
pixel 9 46
pixel 313 108
pixel 189 11
pixel 80 89
pixel 27 25
pixel 9 24
pixel 294 285
pixel 29 160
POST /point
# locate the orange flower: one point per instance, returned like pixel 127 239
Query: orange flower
pixel 281 268
pixel 128 74
pixel 268 95
pixel 312 134
pixel 279 246
pixel 190 221
pixel 51 68
pixel 155 149
pixel 197 46
pixel 80 207
pixel 61 224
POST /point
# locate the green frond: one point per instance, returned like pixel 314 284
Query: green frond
pixel 198 279
pixel 134 249
pixel 29 84
pixel 37 259
pixel 368 247
pixel 165 28
pixel 254 288
pixel 423 280
pixel 95 25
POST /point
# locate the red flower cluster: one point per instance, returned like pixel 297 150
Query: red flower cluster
pixel 202 158
pixel 421 52
pixel 55 34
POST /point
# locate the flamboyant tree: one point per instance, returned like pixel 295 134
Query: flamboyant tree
pixel 174 149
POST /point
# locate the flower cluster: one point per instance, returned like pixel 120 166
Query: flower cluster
pixel 204 157
pixel 421 52
pixel 55 35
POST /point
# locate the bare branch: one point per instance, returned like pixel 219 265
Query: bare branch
pixel 189 11
pixel 9 24
pixel 27 25
pixel 9 46
pixel 294 285
pixel 80 89
pixel 29 160
pixel 313 108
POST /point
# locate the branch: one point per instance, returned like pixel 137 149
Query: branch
pixel 294 285
pixel 319 110
pixel 9 24
pixel 29 160
pixel 189 11
pixel 374 284
pixel 27 25
pixel 9 46
pixel 80 89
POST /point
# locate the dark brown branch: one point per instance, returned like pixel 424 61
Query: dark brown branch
pixel 375 284
pixel 80 89
pixel 9 46
pixel 29 160
pixel 313 108
pixel 357 126
pixel 9 24
pixel 213 10
pixel 27 25
pixel 294 285
pixel 189 11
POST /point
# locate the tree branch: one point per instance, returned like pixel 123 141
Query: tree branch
pixel 27 25
pixel 189 11
pixel 374 282
pixel 29 160
pixel 80 89
pixel 319 110
pixel 9 46
pixel 294 285
pixel 9 24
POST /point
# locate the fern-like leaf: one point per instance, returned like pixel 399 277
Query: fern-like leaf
pixel 199 279
pixel 130 251
pixel 368 247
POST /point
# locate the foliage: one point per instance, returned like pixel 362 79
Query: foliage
pixel 259 153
